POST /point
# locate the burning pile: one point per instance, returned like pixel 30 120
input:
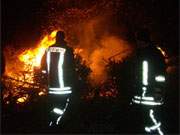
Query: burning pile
pixel 89 30
pixel 32 58
pixel 19 75
pixel 20 79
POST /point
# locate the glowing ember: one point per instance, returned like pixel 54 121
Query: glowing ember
pixel 7 102
pixel 41 93
pixel 22 99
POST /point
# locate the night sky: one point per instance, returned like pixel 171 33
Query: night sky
pixel 23 21
pixel 20 23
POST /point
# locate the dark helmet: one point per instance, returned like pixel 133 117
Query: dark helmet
pixel 60 36
pixel 143 35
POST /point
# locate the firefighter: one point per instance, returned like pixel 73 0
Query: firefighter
pixel 58 65
pixel 149 80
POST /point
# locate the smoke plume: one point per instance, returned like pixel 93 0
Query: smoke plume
pixel 91 27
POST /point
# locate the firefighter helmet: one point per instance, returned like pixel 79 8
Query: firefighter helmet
pixel 60 36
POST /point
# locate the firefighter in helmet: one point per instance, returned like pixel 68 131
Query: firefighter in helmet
pixel 58 65
pixel 150 71
pixel 150 78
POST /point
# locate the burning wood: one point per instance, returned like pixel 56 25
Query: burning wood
pixel 22 99
pixel 30 59
pixel 27 76
pixel 33 57
pixel 20 79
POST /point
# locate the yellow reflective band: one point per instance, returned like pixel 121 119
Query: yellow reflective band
pixel 58 111
pixel 144 91
pixel 60 71
pixel 59 118
pixel 150 103
pixel 144 98
pixel 145 73
pixel 60 92
pixel 60 89
pixel 48 61
pixel 156 126
pixel 148 129
pixel 160 78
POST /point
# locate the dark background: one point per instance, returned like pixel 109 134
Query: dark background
pixel 23 21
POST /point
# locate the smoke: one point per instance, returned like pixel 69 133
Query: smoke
pixel 92 27
pixel 99 45
pixel 111 45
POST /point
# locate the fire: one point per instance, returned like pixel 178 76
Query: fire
pixel 78 51
pixel 41 93
pixel 33 57
pixel 20 73
pixel 22 99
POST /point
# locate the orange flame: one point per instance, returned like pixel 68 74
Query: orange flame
pixel 78 51
pixel 41 93
pixel 33 57
pixel 22 99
